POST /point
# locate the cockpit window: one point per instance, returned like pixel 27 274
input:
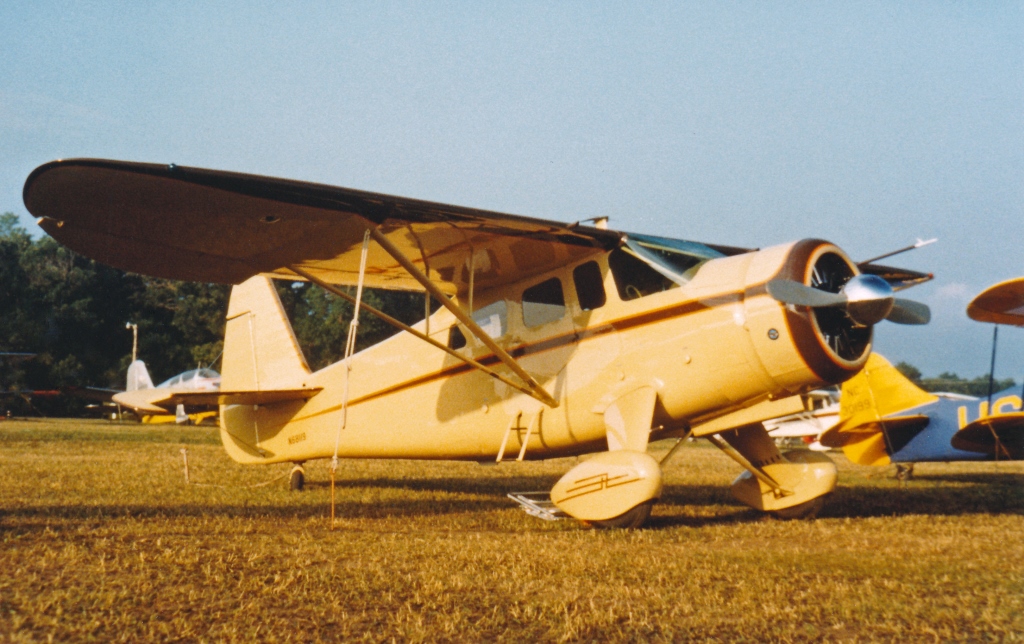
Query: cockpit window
pixel 647 264
pixel 634 278
pixel 589 286
pixel 543 303
pixel 189 376
pixel 493 319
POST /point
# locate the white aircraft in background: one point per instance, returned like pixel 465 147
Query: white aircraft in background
pixel 821 413
pixel 157 404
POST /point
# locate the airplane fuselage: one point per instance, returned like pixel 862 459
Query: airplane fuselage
pixel 713 345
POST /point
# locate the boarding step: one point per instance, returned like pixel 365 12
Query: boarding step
pixel 538 504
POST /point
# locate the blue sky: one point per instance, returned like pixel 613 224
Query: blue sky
pixel 748 124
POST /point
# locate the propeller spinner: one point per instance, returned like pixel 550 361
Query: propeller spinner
pixel 866 299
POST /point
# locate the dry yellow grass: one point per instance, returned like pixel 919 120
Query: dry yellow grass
pixel 100 540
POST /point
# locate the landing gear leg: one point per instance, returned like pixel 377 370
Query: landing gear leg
pixel 297 480
pixel 904 472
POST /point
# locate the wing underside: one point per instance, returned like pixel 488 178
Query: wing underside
pixel 205 225
pixel 1001 303
pixel 999 436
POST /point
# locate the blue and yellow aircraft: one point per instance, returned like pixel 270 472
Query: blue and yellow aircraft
pixel 885 418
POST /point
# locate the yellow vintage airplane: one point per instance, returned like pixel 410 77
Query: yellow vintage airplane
pixel 551 339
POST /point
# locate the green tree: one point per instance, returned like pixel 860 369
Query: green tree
pixel 910 371
pixel 321 319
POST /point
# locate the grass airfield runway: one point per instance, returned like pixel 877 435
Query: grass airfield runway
pixel 100 539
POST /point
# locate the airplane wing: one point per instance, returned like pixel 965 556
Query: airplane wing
pixel 206 225
pixel 97 394
pixel 898 278
pixel 1002 303
pixel 1001 436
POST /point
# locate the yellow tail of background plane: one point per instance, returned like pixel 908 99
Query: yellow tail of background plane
pixel 869 409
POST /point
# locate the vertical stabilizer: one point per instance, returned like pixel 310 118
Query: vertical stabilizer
pixel 138 377
pixel 879 390
pixel 260 349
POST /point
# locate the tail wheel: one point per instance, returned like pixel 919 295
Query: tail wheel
pixel 630 520
pixel 805 510
pixel 297 480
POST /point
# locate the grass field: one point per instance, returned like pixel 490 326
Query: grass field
pixel 100 539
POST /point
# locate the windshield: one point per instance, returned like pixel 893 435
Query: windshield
pixel 189 376
pixel 680 257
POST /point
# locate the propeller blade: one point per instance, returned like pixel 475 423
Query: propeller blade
pixel 909 312
pixel 790 292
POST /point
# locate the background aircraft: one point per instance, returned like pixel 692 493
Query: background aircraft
pixel 820 413
pixel 552 339
pixel 158 404
pixel 885 418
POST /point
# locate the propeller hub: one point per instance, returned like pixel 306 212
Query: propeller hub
pixel 869 299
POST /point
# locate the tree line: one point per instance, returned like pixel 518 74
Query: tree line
pixel 950 382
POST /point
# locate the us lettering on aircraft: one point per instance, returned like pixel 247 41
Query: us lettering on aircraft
pixel 551 339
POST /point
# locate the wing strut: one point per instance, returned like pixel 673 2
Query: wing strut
pixel 398 324
pixel 533 386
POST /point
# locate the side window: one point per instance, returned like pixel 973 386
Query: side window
pixel 455 338
pixel 589 286
pixel 543 303
pixel 493 319
pixel 634 278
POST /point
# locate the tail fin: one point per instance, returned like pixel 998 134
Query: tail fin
pixel 138 377
pixel 868 409
pixel 260 349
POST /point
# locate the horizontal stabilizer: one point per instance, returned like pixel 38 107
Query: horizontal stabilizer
pixel 265 397
pixel 1000 436
pixel 873 443
pixel 844 434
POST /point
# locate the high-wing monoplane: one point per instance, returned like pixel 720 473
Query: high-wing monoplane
pixel 551 339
